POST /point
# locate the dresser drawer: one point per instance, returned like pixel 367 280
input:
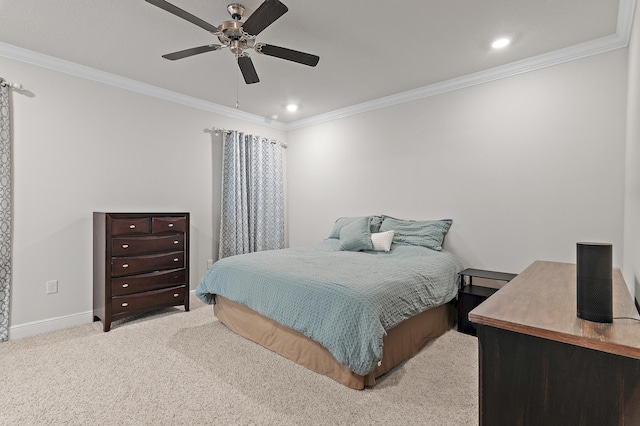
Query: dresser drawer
pixel 130 226
pixel 138 264
pixel 125 246
pixel 168 224
pixel 150 299
pixel 146 282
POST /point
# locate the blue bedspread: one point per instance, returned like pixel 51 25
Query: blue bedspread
pixel 344 300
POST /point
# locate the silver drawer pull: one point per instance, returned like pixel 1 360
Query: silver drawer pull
pixel 125 304
pixel 132 227
pixel 170 225
pixel 125 246
pixel 176 294
pixel 126 265
pixel 175 242
pixel 125 285
pixel 176 259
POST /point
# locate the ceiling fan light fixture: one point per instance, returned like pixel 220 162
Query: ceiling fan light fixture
pixel 500 43
pixel 236 47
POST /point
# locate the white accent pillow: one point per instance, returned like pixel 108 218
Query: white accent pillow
pixel 382 240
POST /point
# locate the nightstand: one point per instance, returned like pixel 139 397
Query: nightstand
pixel 470 295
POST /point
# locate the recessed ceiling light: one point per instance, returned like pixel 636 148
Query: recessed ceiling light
pixel 292 107
pixel 500 43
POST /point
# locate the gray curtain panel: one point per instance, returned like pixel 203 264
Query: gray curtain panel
pixel 252 205
pixel 6 210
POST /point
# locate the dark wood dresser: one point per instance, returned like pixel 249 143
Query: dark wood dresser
pixel 540 364
pixel 140 263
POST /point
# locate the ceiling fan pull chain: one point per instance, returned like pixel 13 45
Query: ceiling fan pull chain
pixel 237 84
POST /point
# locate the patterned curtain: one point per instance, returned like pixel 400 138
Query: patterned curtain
pixel 252 212
pixel 5 210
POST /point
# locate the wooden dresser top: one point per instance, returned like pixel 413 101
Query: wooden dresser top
pixel 541 302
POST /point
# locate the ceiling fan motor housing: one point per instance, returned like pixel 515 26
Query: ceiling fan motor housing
pixel 233 36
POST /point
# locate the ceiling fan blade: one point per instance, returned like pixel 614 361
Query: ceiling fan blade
pixel 288 54
pixel 248 70
pixel 268 12
pixel 190 52
pixel 183 14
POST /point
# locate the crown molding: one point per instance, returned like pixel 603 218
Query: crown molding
pixel 72 68
pixel 583 50
pixel 594 47
pixel 626 9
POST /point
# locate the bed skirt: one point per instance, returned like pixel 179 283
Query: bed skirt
pixel 401 342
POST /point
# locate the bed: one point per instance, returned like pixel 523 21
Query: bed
pixel 351 307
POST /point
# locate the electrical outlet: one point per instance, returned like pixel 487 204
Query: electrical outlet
pixel 52 286
pixel 209 264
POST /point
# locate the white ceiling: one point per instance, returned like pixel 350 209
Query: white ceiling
pixel 369 49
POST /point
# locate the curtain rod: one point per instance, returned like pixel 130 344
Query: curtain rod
pixel 217 130
pixel 10 84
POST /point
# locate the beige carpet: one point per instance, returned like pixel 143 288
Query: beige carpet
pixel 177 368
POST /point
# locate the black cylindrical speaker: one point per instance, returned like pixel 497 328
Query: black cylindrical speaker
pixel 594 281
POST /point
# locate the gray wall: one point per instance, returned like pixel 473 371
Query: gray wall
pixel 525 166
pixel 81 146
pixel 631 268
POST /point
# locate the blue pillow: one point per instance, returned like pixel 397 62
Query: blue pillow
pixel 356 235
pixel 375 223
pixel 340 222
pixel 425 233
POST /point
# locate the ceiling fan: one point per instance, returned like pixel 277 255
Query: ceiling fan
pixel 239 36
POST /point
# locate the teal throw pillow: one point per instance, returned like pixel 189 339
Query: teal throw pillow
pixel 356 235
pixel 425 233
pixel 374 224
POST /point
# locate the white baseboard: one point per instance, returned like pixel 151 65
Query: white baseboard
pixel 29 329
pixel 34 328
